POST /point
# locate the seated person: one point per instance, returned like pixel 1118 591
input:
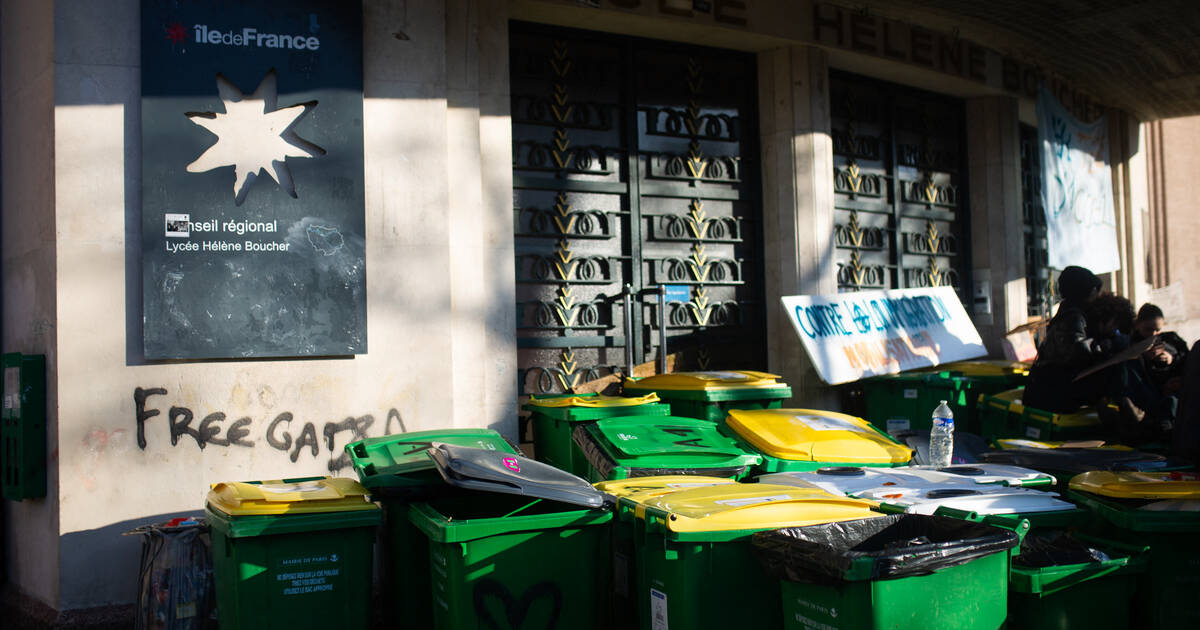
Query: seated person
pixel 1164 362
pixel 1067 348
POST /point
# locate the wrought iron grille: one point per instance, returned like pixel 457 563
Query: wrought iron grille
pixel 900 200
pixel 633 163
pixel 1039 277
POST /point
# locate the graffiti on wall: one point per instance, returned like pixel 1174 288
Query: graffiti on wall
pixel 283 433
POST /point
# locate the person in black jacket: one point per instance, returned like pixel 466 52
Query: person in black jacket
pixel 1067 349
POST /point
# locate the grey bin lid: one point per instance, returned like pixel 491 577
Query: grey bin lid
pixel 493 471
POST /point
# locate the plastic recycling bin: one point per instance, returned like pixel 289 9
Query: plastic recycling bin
pixel 625 568
pixel 527 547
pixel 1002 415
pixel 292 553
pixel 554 419
pixel 925 490
pixel 1161 510
pixel 1067 462
pixel 710 395
pixel 987 376
pixel 634 446
pixel 807 439
pixel 1069 581
pixel 905 402
pixel 696 565
pixel 397 470
pixel 900 571
pixel 851 480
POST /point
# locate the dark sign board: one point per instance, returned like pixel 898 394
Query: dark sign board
pixel 252 179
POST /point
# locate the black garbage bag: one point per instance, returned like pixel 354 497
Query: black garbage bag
pixel 893 546
pixel 1055 548
pixel 175 581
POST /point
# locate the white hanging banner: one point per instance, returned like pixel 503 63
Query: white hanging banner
pixel 849 336
pixel 1077 193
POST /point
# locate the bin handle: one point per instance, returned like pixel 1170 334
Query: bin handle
pixel 1084 575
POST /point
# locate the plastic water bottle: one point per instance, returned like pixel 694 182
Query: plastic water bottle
pixel 941 436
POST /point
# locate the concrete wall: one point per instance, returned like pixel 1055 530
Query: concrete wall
pixel 27 266
pixel 1178 194
pixel 440 278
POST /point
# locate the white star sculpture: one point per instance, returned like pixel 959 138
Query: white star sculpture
pixel 253 135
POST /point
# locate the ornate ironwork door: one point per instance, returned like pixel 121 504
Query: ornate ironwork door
pixel 898 180
pixel 1039 277
pixel 633 164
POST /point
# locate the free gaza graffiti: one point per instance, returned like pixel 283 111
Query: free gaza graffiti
pixel 283 433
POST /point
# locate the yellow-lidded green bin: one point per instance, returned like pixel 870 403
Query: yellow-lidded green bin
pixel 626 573
pixel 710 395
pixel 808 439
pixel 697 568
pixel 292 553
pixel 554 419
pixel 1003 415
pixel 1161 510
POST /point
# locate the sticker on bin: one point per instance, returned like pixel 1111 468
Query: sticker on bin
pixel 827 423
pixel 1033 432
pixel 658 610
pixel 289 488
pixel 910 394
pixel 753 500
pixel 511 464
pixel 896 425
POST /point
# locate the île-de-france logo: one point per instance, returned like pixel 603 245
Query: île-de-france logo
pixel 254 135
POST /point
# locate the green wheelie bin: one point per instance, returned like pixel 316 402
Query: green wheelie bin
pixel 904 402
pixel 292 553
pixel 397 471
pixel 527 544
pixel 554 419
pixel 710 395
pixel 1160 510
pixel 695 563
pixel 902 571
pixel 634 446
pixel 1067 580
pixel 625 568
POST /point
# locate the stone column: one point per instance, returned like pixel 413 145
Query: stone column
pixel 996 221
pixel 797 155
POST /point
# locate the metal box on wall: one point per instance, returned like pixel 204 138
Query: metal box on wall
pixel 23 426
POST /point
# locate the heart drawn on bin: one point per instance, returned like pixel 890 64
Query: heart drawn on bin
pixel 514 611
pixel 511 464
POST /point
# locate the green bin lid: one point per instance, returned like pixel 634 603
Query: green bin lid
pixel 392 460
pixel 668 442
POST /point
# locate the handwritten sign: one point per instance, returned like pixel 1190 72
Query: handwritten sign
pixel 1081 225
pixel 850 336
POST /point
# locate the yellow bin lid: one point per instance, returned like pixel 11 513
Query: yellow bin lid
pixel 599 400
pixel 816 436
pixel 751 506
pixel 704 381
pixel 1009 443
pixel 642 487
pixel 289 496
pixel 1139 485
pixel 984 367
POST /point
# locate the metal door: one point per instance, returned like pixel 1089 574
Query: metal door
pixel 899 203
pixel 633 165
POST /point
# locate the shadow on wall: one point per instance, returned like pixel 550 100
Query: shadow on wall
pixel 100 566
